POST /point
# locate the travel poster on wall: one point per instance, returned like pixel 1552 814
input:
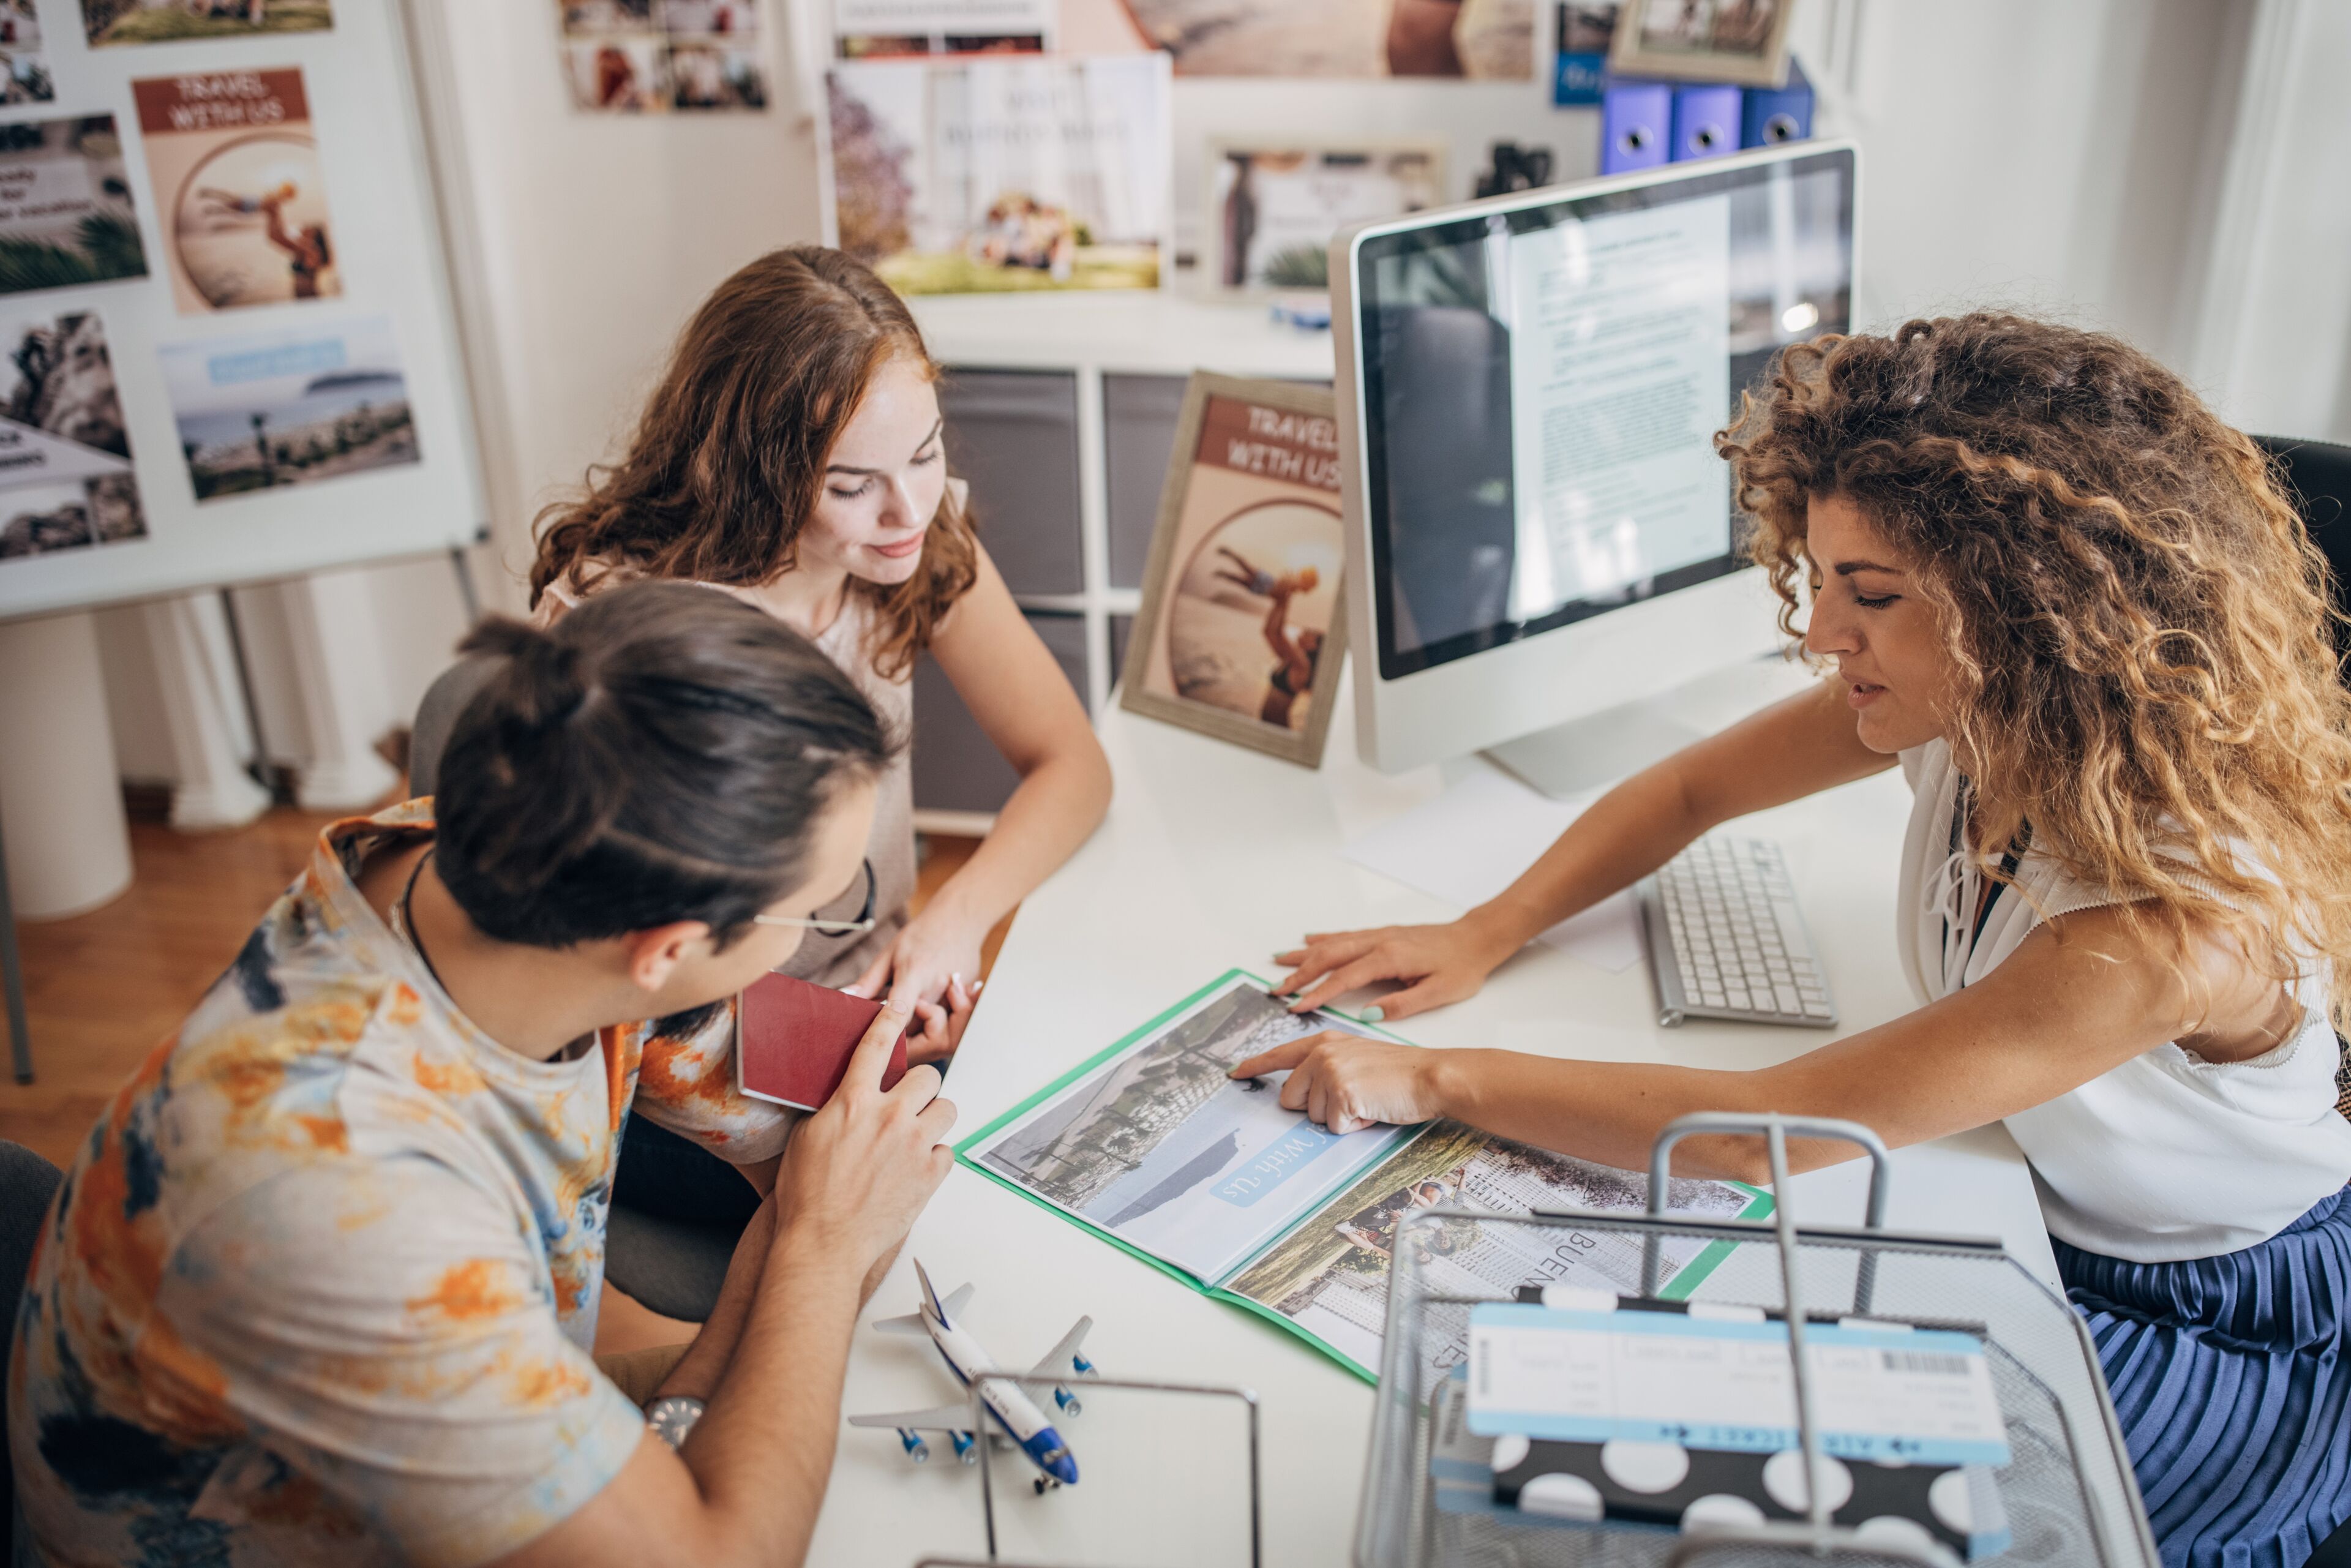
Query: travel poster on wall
pixel 66 480
pixel 240 193
pixel 997 173
pixel 66 215
pixel 289 408
pixel 108 22
pixel 1484 39
pixel 24 67
pixel 1239 633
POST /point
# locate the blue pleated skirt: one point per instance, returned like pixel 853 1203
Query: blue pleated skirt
pixel 2230 1378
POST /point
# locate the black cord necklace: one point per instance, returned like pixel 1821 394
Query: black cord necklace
pixel 408 921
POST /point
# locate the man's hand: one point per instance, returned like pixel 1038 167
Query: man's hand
pixel 1345 1082
pixel 860 1170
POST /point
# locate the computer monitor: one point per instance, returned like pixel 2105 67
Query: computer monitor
pixel 1540 533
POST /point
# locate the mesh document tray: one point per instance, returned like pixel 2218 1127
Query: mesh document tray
pixel 2067 1493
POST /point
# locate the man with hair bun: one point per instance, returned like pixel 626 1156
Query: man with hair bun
pixel 321 1285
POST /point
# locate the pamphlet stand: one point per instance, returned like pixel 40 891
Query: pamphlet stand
pixel 2067 1489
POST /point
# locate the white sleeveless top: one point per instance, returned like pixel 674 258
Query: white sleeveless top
pixel 2167 1156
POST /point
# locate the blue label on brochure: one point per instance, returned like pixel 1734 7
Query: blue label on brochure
pixel 1276 1163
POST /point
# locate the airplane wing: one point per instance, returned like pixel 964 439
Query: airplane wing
pixel 944 1419
pixel 912 1323
pixel 1056 1363
pixel 957 1300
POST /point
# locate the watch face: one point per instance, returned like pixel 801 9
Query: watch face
pixel 674 1417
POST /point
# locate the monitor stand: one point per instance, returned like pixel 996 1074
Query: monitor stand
pixel 1573 759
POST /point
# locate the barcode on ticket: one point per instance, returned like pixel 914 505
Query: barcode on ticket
pixel 1915 1360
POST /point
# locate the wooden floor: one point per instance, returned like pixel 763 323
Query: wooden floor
pixel 102 989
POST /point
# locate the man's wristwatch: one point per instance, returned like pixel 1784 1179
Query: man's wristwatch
pixel 671 1418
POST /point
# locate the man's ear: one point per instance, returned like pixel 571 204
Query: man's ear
pixel 654 954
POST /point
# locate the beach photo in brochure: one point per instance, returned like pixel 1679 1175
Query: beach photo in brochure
pixel 239 190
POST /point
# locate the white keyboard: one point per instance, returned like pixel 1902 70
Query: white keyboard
pixel 1726 940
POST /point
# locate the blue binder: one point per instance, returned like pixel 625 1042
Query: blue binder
pixel 1774 115
pixel 1706 121
pixel 1636 120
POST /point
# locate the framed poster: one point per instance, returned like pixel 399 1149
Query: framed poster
pixel 1240 632
pixel 1274 204
pixel 1742 41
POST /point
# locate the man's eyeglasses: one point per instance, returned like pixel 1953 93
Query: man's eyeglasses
pixel 823 927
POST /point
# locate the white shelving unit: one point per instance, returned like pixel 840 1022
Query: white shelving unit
pixel 1122 358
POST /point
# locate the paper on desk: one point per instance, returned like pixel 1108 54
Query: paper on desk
pixel 1473 841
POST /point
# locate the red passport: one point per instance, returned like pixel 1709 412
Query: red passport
pixel 795 1039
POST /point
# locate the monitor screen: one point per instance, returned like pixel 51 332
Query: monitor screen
pixel 1541 388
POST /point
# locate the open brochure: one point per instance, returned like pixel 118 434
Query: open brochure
pixel 1153 1148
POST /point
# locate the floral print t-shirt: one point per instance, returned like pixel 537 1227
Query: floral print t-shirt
pixel 320 1286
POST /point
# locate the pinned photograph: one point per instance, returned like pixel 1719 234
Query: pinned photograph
pixel 66 215
pixel 1273 206
pixel 711 73
pixel 1741 41
pixel 648 56
pixel 289 408
pixel 1484 39
pixel 620 74
pixel 881 29
pixel 66 480
pixel 240 188
pixel 24 67
pixel 1239 632
pixel 106 22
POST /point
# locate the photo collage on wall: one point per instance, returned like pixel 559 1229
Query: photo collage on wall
pixel 649 57
pixel 239 186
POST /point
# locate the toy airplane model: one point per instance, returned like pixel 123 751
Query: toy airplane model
pixel 1025 1426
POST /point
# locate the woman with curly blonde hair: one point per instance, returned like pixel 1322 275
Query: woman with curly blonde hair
pixel 2074 607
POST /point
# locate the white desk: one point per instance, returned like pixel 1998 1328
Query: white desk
pixel 1215 856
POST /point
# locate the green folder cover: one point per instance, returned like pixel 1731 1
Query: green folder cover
pixel 1296 1226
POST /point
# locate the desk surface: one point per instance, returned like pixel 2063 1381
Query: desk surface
pixel 1214 856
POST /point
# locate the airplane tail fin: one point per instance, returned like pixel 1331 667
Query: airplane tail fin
pixel 930 1296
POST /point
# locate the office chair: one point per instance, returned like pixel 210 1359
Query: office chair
pixel 28 1183
pixel 677 1211
pixel 2317 474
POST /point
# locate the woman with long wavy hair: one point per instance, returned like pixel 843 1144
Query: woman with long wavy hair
pixel 791 456
pixel 2074 607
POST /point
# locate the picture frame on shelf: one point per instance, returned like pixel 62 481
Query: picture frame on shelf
pixel 1241 629
pixel 1273 202
pixel 1740 41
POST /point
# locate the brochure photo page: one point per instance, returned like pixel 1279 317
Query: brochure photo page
pixel 66 480
pixel 239 188
pixel 1154 1148
pixel 289 408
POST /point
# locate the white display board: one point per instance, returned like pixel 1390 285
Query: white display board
pixel 285 375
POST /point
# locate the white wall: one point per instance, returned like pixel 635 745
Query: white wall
pixel 2075 158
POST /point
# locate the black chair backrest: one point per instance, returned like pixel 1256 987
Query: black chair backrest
pixel 28 1183
pixel 436 715
pixel 2320 473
